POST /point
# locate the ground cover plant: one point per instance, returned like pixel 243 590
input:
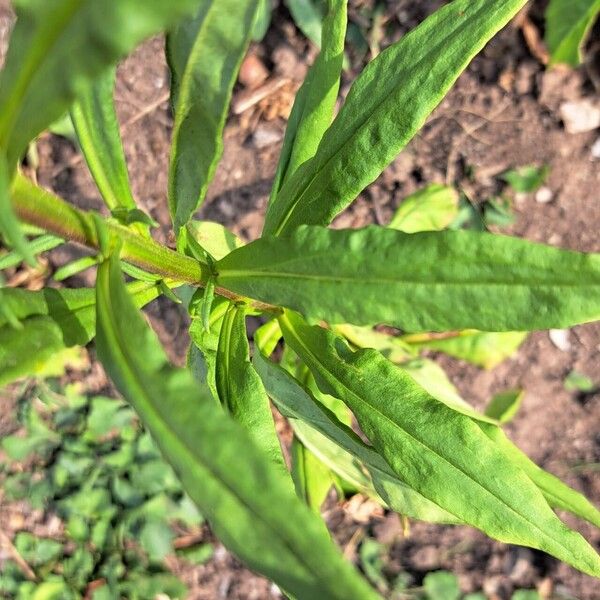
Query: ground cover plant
pixel 101 473
pixel 430 456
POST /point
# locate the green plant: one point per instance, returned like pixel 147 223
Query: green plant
pixel 431 456
pixel 100 472
pixel 568 24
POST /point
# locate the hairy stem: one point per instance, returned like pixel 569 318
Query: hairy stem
pixel 39 207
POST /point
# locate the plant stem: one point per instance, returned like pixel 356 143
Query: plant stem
pixel 37 206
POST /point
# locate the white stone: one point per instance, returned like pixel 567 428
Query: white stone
pixel 596 149
pixel 544 195
pixel 580 116
pixel 560 338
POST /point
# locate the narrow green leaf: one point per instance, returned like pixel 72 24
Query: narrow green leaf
pixel 436 281
pixel 51 320
pixel 387 104
pixel 239 387
pixel 568 23
pixel 481 348
pixel 441 453
pixel 267 336
pixel 97 128
pixel 263 20
pixel 43 243
pixel 220 466
pixel 204 55
pixel 557 493
pixel 312 479
pixel 51 61
pixel 391 346
pixel 504 406
pixel 315 102
pixel 334 443
pixel 431 209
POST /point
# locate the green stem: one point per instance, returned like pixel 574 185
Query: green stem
pixel 39 207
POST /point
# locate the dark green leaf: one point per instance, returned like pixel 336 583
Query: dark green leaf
pixel 239 387
pixel 424 281
pixel 439 452
pixel 219 464
pixel 568 23
pixel 204 55
pixel 95 121
pixel 315 102
pixel 387 104
pixel 341 449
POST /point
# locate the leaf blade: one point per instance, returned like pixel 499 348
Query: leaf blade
pixel 442 454
pixel 204 55
pixel 95 122
pixel 315 101
pixel 386 106
pixel 434 281
pixel 288 545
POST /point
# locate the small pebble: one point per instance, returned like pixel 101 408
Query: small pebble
pixel 544 195
pixel 580 116
pixel 253 72
pixel 560 339
pixel 266 135
pixel 596 149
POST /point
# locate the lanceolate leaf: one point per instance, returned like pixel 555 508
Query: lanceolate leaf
pixel 51 61
pixel 313 108
pixel 386 106
pixel 435 281
pixel 239 387
pixel 204 55
pixel 97 129
pixel 557 493
pixel 307 17
pixel 441 453
pixel 51 320
pixel 568 23
pixel 219 465
pixel 341 449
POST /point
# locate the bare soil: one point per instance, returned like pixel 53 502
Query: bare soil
pixel 504 112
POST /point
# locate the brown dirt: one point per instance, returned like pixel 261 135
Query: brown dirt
pixel 502 113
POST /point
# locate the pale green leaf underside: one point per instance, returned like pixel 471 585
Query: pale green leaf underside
pixel 204 56
pixel 435 281
pixel 219 465
pixel 341 449
pixel 95 122
pixel 387 104
pixel 441 453
pixel 568 23
pixel 481 348
pixel 431 209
